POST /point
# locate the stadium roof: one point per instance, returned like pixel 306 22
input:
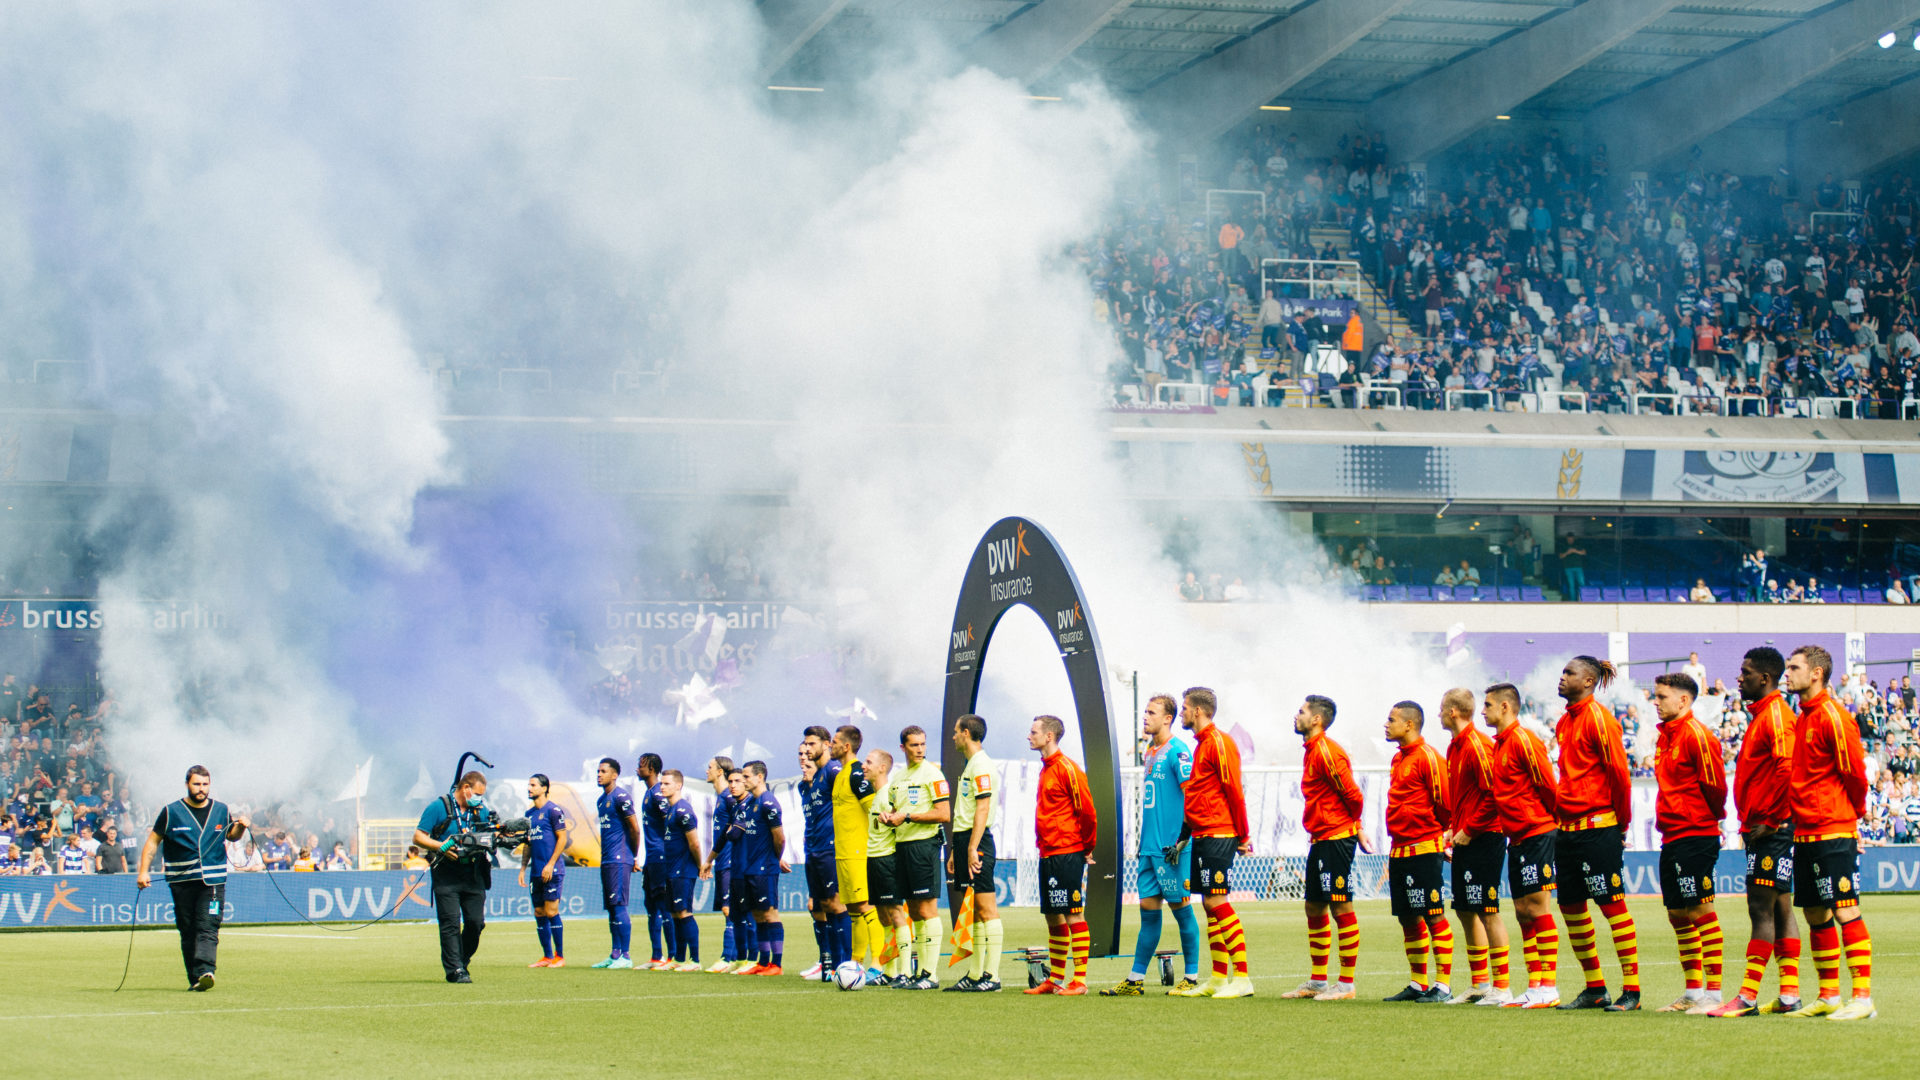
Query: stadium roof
pixel 1209 63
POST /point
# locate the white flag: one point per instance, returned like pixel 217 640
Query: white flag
pixel 424 788
pixel 696 702
pixel 357 789
pixel 705 640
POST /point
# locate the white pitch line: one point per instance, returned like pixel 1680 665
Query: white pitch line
pixel 499 1003
pixel 305 937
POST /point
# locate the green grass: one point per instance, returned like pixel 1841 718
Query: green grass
pixel 297 1000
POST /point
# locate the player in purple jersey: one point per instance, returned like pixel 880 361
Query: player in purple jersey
pixel 683 868
pixel 545 865
pixel 654 809
pixel 757 865
pixel 832 928
pixel 619 840
pixel 720 867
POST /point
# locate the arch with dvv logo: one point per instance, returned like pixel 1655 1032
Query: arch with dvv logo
pixel 1018 564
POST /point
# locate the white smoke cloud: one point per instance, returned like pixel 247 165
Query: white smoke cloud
pixel 270 215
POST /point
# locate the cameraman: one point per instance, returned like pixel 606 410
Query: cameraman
pixel 461 874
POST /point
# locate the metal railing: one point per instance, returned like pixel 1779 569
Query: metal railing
pixel 1343 285
pixel 1183 393
pixel 1677 404
pixel 1394 402
pixel 1456 396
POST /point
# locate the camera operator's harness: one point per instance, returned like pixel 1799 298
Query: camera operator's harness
pixel 476 831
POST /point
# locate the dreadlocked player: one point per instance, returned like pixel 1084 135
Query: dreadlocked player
pixel 1595 805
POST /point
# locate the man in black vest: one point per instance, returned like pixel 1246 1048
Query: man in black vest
pixel 461 876
pixel 191 834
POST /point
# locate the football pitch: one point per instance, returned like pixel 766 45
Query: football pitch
pixel 296 1000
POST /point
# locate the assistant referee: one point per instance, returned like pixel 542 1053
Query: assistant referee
pixel 191 834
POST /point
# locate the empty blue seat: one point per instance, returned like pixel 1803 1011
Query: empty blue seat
pixel 1849 596
pixel 1589 594
pixel 1873 596
pixel 1609 595
pixel 1831 596
pixel 1509 593
pixel 1420 592
pixel 1373 592
pixel 1633 594
pixel 1725 596
pixel 1528 592
pixel 1396 593
pixel 1657 594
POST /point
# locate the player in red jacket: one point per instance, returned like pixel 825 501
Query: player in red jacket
pixel 1332 820
pixel 1828 794
pixel 1595 806
pixel 1067 827
pixel 1691 802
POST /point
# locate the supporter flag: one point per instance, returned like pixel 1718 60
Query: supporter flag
pixel 357 787
pixel 705 640
pixel 963 930
pixel 857 714
pixel 423 787
pixel 696 703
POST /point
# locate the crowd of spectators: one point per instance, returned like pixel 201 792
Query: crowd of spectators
pixel 68 810
pixel 1536 269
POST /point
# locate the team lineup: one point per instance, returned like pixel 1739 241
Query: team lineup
pixel 886 841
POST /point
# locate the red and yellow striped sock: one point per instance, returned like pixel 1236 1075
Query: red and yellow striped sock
pixel 1234 939
pixel 1859 945
pixel 1580 935
pixel 1349 925
pixel 1082 945
pixel 1319 945
pixel 1758 953
pixel 1787 951
pixel 1057 949
pixel 1546 947
pixel 1502 967
pixel 1626 943
pixel 1689 939
pixel 1442 950
pixel 1529 957
pixel 1217 945
pixel 1826 957
pixel 1712 946
pixel 1477 966
pixel 1417 943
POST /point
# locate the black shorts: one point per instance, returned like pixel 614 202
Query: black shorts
pixel 916 863
pixel 1476 874
pixel 722 888
pixel 655 886
pixel 963 875
pixel 883 885
pixel 1330 871
pixel 1588 863
pixel 1416 881
pixel 1826 873
pixel 754 893
pixel 823 880
pixel 1770 860
pixel 1530 864
pixel 1686 871
pixel 1061 878
pixel 1213 864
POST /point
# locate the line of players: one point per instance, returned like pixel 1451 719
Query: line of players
pixel 1799 789
pixel 874 869
pixel 873 841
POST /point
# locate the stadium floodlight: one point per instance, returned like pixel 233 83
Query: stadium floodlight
pixel 1503 116
pixel 1887 39
pixel 1916 37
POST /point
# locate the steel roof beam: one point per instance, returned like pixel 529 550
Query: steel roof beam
pixel 790 25
pixel 1432 113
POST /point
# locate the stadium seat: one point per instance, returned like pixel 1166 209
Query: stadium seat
pixel 1530 593
pixel 1633 594
pixel 1397 593
pixel 1657 594
pixel 1422 592
pixel 1373 593
pixel 1830 596
pixel 1589 594
pixel 1609 595
pixel 1849 596
pixel 1723 595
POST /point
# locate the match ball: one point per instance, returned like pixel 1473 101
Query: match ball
pixel 850 976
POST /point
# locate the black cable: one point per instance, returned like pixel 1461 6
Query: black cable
pixel 133 917
pixel 268 874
